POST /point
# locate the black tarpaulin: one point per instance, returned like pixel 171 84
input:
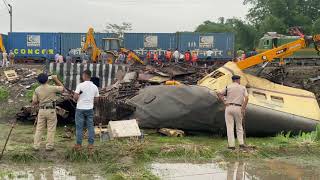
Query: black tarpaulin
pixel 182 107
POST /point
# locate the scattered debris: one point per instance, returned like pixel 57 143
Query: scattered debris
pixel 112 105
pixel 172 132
pixel 314 79
pixel 126 128
pixel 11 75
pixel 62 112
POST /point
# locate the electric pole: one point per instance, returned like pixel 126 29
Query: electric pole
pixel 9 7
pixel 10 12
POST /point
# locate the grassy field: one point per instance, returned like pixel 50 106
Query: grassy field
pixel 129 158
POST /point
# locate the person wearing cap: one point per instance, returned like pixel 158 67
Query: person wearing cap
pixel 235 99
pixel 44 97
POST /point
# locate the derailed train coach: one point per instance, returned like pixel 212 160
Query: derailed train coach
pixel 42 46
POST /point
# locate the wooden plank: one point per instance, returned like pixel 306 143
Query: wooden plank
pixel 11 75
pixel 126 128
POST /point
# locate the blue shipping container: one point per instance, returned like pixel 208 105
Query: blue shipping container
pixel 222 44
pixel 5 40
pixel 31 45
pixel 45 45
pixel 77 40
pixel 142 42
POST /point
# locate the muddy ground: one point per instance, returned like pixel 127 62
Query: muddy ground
pixel 134 159
pixel 156 156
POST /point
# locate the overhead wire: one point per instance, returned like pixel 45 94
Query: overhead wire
pixel 6 5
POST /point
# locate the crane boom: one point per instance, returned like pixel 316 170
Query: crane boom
pixel 281 51
pixel 2 48
pixel 268 56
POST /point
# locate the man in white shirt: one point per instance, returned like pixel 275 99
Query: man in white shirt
pixel 85 94
pixel 176 56
pixel 209 54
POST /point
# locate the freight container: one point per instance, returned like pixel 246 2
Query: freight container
pixel 77 40
pixel 5 40
pixel 222 44
pixel 34 45
pixel 142 42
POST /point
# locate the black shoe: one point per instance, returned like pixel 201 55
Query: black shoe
pixel 232 148
pixel 243 147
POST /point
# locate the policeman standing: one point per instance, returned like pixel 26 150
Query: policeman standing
pixel 235 99
pixel 45 97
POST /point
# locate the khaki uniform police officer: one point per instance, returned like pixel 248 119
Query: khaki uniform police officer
pixel 235 98
pixel 45 97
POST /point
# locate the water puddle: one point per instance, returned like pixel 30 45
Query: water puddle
pixel 44 173
pixel 267 170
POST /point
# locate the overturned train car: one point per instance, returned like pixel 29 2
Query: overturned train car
pixel 272 108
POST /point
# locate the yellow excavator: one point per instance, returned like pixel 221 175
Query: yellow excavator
pixel 267 99
pixel 2 48
pixel 90 48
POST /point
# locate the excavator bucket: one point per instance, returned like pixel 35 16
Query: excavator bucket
pixel 132 54
pixel 316 42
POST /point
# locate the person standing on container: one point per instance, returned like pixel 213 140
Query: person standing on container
pixel 176 56
pixel 11 58
pixel 5 59
pixel 44 97
pixel 85 94
pixel 235 98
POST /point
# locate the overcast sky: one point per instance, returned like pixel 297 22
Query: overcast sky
pixel 145 15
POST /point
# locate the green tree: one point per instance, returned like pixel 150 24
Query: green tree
pixel 290 12
pixel 209 26
pixel 272 24
pixel 316 27
pixel 118 29
pixel 245 33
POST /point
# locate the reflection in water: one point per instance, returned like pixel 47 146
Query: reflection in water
pixel 38 173
pixel 236 171
pixel 266 170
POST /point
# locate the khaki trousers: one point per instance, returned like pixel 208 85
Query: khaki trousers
pixel 46 118
pixel 233 114
pixel 11 61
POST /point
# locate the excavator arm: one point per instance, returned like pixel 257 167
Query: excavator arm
pixel 132 55
pixel 91 43
pixel 2 48
pixel 282 51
